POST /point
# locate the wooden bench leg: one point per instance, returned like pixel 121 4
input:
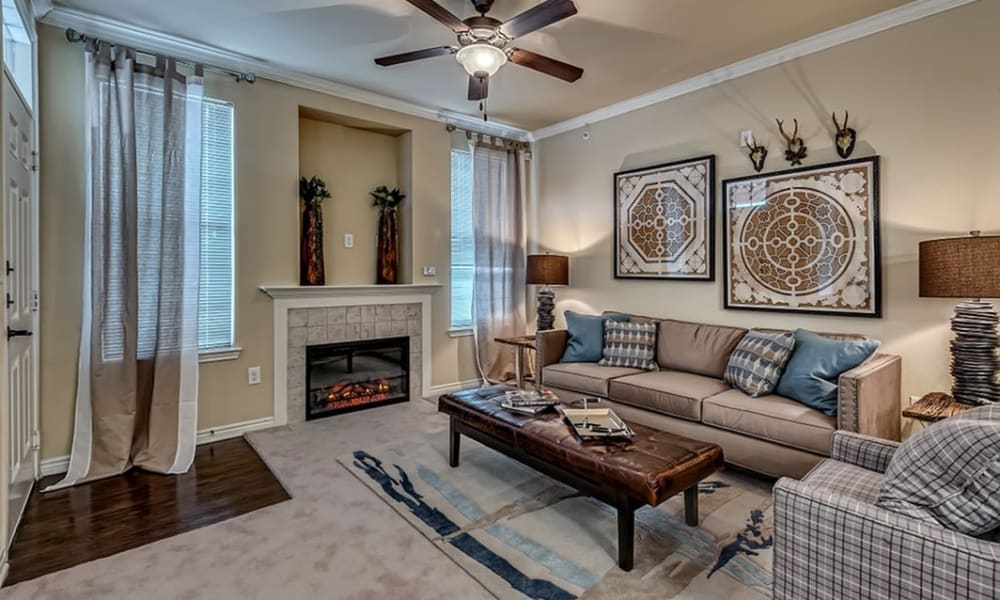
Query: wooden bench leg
pixel 454 443
pixel 691 505
pixel 626 533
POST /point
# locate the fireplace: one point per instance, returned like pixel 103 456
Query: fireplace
pixel 357 375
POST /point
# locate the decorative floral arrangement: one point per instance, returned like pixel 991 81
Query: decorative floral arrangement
pixel 313 190
pixel 384 198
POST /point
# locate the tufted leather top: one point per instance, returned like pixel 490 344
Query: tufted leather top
pixel 652 466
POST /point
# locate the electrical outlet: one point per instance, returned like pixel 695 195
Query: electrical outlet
pixel 746 138
pixel 914 399
pixel 253 376
pixel 430 271
pixel 348 240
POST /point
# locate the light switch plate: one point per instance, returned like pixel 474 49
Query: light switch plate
pixel 430 271
pixel 746 138
pixel 348 240
pixel 253 376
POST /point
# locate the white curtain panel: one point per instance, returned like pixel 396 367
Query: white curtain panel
pixel 137 387
pixel 498 304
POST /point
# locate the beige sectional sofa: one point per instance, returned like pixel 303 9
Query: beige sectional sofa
pixel 771 434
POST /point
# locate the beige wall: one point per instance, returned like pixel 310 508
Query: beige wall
pixel 267 171
pixel 352 162
pixel 924 96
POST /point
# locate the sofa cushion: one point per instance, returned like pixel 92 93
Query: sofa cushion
pixel 630 345
pixel 585 378
pixel 846 479
pixel 586 336
pixel 756 364
pixel 773 418
pixel 949 473
pixel 696 348
pixel 812 374
pixel 668 392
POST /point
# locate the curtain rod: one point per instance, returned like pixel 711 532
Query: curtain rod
pixel 75 36
pixel 520 145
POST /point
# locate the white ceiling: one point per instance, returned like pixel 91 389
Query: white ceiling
pixel 627 47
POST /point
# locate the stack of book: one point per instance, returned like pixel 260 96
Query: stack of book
pixel 529 402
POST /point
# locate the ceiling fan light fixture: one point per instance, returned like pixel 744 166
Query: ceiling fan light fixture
pixel 481 57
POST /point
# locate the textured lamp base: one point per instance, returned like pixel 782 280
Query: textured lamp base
pixel 974 359
pixel 546 309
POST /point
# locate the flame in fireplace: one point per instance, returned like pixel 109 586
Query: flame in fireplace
pixel 358 393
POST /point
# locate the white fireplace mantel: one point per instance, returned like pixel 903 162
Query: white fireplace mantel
pixel 289 297
pixel 282 292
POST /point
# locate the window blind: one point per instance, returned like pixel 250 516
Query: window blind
pixel 216 294
pixel 462 245
pixel 215 301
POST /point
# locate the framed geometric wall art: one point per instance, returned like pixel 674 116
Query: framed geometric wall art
pixel 805 240
pixel 665 221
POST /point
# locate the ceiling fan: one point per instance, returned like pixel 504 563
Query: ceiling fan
pixel 484 42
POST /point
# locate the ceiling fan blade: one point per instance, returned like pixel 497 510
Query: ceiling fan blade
pixel 442 14
pixel 395 59
pixel 533 19
pixel 479 87
pixel 544 64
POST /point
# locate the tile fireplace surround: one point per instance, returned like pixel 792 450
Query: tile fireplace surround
pixel 308 316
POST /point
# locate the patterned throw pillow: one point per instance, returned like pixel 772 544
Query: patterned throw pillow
pixel 755 366
pixel 630 345
pixel 949 473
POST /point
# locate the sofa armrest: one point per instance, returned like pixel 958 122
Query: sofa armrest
pixel 831 546
pixel 863 451
pixel 869 398
pixel 549 348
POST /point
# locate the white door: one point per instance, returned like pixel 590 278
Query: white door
pixel 19 256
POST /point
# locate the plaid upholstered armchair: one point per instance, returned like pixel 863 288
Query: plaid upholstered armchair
pixel 832 542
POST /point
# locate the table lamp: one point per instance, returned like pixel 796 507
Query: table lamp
pixel 547 270
pixel 967 267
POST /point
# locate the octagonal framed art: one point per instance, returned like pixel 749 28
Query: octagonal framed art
pixel 665 221
pixel 805 240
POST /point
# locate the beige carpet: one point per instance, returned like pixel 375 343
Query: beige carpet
pixel 334 539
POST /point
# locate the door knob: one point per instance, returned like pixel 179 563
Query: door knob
pixel 13 333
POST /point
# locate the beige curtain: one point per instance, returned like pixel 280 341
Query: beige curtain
pixel 498 303
pixel 137 386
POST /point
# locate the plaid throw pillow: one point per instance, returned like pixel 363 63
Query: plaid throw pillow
pixel 630 345
pixel 755 366
pixel 949 473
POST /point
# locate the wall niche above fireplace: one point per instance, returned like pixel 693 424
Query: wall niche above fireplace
pixel 351 376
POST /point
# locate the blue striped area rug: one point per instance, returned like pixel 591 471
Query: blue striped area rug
pixel 523 535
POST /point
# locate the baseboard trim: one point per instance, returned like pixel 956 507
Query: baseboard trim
pixel 60 464
pixel 458 386
pixel 228 432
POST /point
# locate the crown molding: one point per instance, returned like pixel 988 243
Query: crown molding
pixel 154 41
pixel 817 43
pixel 40 8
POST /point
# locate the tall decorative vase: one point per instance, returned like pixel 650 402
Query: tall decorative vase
pixel 388 246
pixel 311 270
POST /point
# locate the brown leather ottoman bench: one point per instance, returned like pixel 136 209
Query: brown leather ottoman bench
pixel 648 469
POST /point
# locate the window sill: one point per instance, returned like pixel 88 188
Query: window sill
pixel 219 354
pixel 457 333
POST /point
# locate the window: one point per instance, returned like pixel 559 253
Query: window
pixel 17 50
pixel 216 269
pixel 462 248
pixel 216 297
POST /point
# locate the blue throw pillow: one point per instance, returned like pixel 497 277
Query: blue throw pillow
pixel 586 336
pixel 816 364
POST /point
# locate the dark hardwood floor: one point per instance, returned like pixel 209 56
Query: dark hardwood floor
pixel 83 523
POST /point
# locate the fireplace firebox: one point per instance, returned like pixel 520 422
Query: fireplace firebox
pixel 356 375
